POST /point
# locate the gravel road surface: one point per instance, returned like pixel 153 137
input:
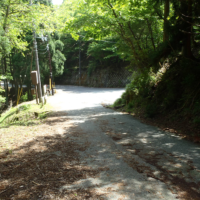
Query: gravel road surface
pixel 138 161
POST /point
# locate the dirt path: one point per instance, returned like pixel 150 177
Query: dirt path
pixel 85 151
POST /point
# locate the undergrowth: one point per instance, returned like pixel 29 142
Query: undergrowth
pixel 172 92
pixel 24 114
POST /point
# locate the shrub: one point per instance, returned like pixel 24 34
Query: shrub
pixel 119 102
pixel 130 105
pixel 2 99
pixel 24 107
pixel 151 110
pixel 24 97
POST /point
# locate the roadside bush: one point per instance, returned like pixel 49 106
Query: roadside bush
pixel 91 67
pixel 119 102
pixel 24 97
pixel 34 96
pixel 2 99
pixel 151 110
pixel 140 90
pixel 130 105
pixel 24 107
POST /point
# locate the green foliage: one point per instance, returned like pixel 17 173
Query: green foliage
pixel 102 50
pixel 8 114
pixel 91 67
pixel 24 107
pixel 2 98
pixel 14 25
pixel 5 47
pixel 43 115
pixel 59 45
pixel 130 105
pixel 58 60
pixel 141 84
pixel 139 94
pixel 46 2
pixel 24 97
pixel 151 110
pixel 134 23
pixel 163 54
pixel 24 114
pixel 94 55
pixel 57 57
pixel 196 121
pixel 196 108
pixel 119 102
pixel 17 21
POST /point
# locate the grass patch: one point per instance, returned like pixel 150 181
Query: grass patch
pixel 24 114
pixel 119 103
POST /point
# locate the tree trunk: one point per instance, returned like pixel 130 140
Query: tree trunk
pixel 5 28
pixel 16 89
pixel 166 15
pixel 5 81
pixel 186 9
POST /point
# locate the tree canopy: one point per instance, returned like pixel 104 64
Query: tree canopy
pixel 157 40
pixel 160 39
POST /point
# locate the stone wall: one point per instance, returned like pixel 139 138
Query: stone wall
pixel 99 78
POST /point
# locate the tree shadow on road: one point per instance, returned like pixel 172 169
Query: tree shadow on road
pixel 167 159
pixel 49 166
pixel 39 168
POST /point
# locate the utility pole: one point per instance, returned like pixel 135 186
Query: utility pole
pixel 37 67
pixel 37 64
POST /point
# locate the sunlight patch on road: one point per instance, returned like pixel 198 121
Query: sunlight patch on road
pixel 170 145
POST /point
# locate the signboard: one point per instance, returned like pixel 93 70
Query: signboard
pixel 34 77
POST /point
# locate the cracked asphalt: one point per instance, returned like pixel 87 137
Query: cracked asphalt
pixel 141 161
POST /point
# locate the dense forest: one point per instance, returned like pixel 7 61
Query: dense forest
pixel 157 40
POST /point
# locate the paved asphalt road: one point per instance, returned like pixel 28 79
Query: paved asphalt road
pixel 141 161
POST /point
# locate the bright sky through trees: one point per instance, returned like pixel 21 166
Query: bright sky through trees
pixel 57 2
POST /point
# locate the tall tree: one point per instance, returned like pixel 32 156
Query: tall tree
pixel 16 22
pixel 166 15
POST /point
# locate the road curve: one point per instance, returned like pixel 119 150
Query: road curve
pixel 138 161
